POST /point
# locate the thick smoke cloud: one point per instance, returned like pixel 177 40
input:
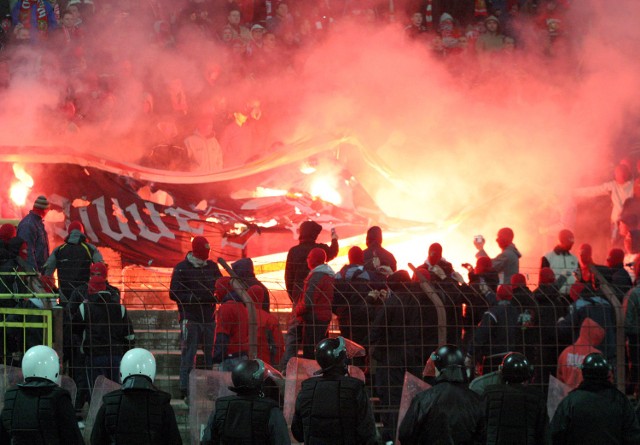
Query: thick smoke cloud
pixel 473 143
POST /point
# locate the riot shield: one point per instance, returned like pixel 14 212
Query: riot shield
pixel 354 349
pixel 298 370
pixel 205 387
pixel 478 384
pixel 101 387
pixel 412 385
pixel 557 391
pixel 11 376
pixel 67 383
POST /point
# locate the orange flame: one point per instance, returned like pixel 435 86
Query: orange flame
pixel 20 189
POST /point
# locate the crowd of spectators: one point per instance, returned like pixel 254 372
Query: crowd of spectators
pixel 91 54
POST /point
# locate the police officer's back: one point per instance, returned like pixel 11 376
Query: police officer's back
pixel 333 409
pixel 38 411
pixel 138 413
pixel 248 417
pixel 449 412
pixel 515 413
pixel 595 412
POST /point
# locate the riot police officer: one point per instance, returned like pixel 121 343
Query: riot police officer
pixel 515 412
pixel 38 411
pixel 248 417
pixel 334 408
pixel 595 412
pixel 448 412
pixel 137 413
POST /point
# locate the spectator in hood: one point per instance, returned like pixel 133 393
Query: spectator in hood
pixel 192 284
pixel 73 260
pixel 31 229
pixel 585 260
pixel 439 268
pixel 570 360
pixel 231 345
pixel 269 335
pixel 375 250
pixel 296 269
pixel 561 261
pixel 244 270
pixel 588 304
pixel 313 311
pixel 507 262
pixel 615 274
pixel 7 231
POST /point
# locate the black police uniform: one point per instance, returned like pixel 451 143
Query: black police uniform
pixel 38 412
pixel 138 413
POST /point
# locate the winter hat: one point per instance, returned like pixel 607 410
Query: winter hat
pixel 398 280
pixel 200 248
pixel 504 293
pixel 223 287
pixel 309 231
pixel 615 257
pixel 374 235
pixel 566 238
pixel 444 17
pixel 97 283
pixel 506 234
pixel 576 291
pixel 41 203
pixel 7 231
pixel 518 280
pixel 256 292
pixel 492 18
pixel 98 269
pixel 356 255
pixel 75 225
pixel 316 257
pixel 257 27
pixel 547 276
pixel 483 265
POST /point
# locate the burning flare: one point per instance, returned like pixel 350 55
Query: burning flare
pixel 20 189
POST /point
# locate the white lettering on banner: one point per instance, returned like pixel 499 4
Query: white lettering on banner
pixel 125 232
pixel 65 205
pixel 86 222
pixel 155 217
pixel 183 217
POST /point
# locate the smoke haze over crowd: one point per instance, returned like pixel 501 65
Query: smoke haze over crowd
pixel 473 144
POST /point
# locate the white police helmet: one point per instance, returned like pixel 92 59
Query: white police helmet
pixel 138 361
pixel 41 361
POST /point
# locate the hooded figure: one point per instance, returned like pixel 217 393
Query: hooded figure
pixel 570 360
pixel 231 343
pixel 507 263
pixel 375 250
pixel 244 270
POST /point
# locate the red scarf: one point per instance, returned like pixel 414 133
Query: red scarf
pixel 41 14
pixel 481 8
pixel 428 13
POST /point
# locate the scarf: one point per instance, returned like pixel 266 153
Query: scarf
pixel 480 8
pixel 428 14
pixel 41 14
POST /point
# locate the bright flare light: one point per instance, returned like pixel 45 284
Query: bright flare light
pixel 20 190
pixel 322 188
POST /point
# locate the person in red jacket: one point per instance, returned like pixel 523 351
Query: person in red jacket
pixel 269 338
pixel 313 311
pixel 569 361
pixel 231 344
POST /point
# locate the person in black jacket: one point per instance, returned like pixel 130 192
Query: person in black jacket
pixel 396 332
pixel 38 411
pixel 448 412
pixel 515 412
pixel 260 419
pixel 595 412
pixel 295 273
pixel 105 329
pixel 192 288
pixel 334 409
pixel 375 255
pixel 138 412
